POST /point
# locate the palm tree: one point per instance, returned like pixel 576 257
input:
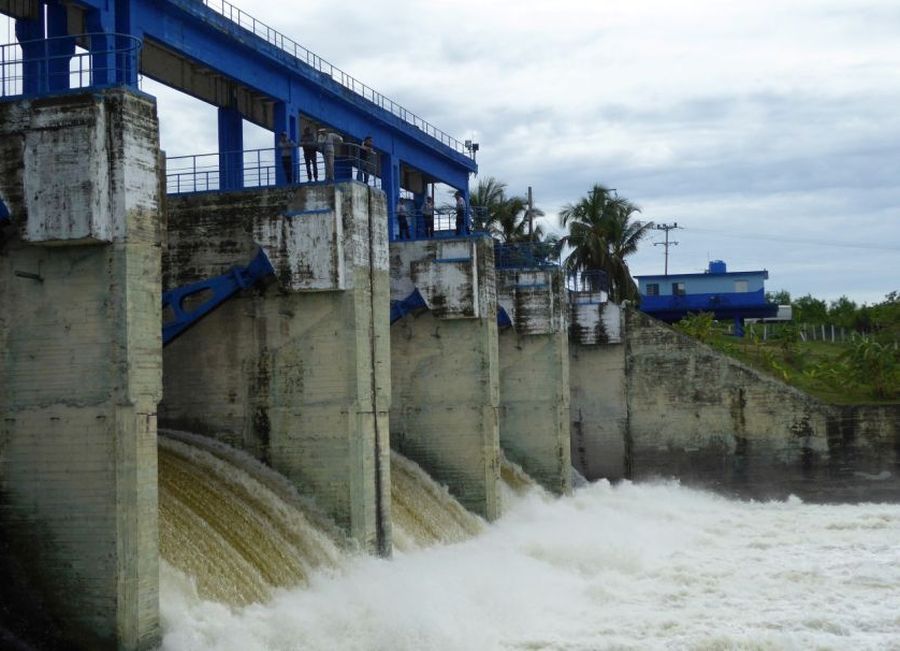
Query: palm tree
pixel 485 201
pixel 602 234
pixel 504 217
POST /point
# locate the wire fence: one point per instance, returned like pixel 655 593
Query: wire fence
pixel 306 57
pixel 826 333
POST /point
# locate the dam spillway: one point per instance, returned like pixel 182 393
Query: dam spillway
pixel 353 341
pixel 241 532
pixel 650 566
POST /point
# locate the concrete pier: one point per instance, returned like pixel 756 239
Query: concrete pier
pixel 534 375
pixel 599 409
pixel 445 368
pixel 80 376
pixel 297 372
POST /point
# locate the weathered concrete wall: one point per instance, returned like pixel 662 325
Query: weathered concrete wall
pixel 444 367
pixel 595 320
pixel 705 418
pixel 534 375
pixel 599 410
pixel 297 372
pixel 80 372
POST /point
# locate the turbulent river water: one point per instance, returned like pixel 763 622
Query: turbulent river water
pixel 650 566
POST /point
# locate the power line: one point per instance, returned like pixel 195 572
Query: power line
pixel 796 240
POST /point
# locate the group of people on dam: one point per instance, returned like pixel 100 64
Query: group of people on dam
pixel 413 221
pixel 424 216
pixel 326 143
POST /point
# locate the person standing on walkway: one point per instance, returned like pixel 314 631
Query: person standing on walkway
pixel 328 140
pixel 460 213
pixel 402 219
pixel 308 142
pixel 366 160
pixel 286 147
pixel 428 216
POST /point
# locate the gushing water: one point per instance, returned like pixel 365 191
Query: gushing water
pixel 239 530
pixel 624 567
pixel 236 536
pixel 424 513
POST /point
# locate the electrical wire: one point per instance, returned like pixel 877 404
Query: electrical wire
pixel 796 240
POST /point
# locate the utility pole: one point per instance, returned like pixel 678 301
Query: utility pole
pixel 667 243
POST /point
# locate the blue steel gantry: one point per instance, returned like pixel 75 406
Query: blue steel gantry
pixel 213 51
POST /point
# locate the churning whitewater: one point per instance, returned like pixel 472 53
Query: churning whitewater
pixel 613 567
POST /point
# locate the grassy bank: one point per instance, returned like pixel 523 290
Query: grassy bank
pixel 859 371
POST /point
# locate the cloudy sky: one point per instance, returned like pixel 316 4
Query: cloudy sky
pixel 769 130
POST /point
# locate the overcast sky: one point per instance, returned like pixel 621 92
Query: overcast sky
pixel 769 130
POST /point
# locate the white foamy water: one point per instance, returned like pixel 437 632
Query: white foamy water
pixel 626 567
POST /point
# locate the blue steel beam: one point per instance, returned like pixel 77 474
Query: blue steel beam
pixel 213 42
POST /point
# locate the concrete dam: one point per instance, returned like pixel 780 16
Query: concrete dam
pixel 247 374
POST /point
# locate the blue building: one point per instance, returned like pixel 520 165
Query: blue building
pixel 727 294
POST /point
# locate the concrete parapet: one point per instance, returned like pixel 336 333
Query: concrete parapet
pixel 296 372
pixel 445 369
pixel 534 375
pixel 80 368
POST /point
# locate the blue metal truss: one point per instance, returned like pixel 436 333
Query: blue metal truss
pixel 412 303
pixel 217 290
pixel 216 39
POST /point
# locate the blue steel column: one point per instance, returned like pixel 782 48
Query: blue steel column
pixel 126 23
pixel 231 149
pixel 285 119
pixel 59 50
pixel 102 24
pixel 30 33
pixel 390 185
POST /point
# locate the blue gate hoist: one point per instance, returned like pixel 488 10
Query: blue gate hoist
pixel 177 319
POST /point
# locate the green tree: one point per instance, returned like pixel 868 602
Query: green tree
pixel 810 310
pixel 602 233
pixel 843 312
pixel 700 325
pixel 781 297
pixel 504 217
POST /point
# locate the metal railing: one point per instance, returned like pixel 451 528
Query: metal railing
pixel 418 224
pixel 588 281
pixel 525 255
pixel 254 168
pixel 58 64
pixel 303 55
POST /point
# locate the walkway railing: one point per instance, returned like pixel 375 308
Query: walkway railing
pixel 256 168
pixel 421 225
pixel 525 255
pixel 589 281
pixel 291 47
pixel 59 64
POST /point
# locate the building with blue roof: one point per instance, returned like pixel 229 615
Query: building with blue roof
pixel 736 295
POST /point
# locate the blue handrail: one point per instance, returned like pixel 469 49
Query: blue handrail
pixel 262 168
pixel 54 65
pixel 303 55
